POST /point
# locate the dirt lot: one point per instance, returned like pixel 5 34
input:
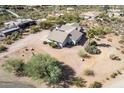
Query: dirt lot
pixel 101 64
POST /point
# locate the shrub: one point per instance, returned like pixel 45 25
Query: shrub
pixel 2 48
pixel 89 72
pixel 122 51
pixel 45 42
pixel 96 84
pixel 109 39
pixel 119 72
pixel 46 24
pixel 15 65
pixel 107 78
pixel 15 36
pixel 92 49
pixel 113 75
pixel 98 31
pixel 35 29
pixel 121 41
pixel 79 82
pixel 43 66
pixel 93 43
pixel 114 57
pixel 82 54
pixel 53 44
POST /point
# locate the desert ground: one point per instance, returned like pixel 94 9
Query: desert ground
pixel 101 64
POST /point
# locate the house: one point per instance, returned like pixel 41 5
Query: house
pixel 91 15
pixel 67 34
pixel 55 14
pixel 21 23
pixel 70 9
pixel 7 31
pixel 114 13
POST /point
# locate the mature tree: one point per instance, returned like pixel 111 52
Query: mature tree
pixel 43 66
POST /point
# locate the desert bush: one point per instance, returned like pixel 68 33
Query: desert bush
pixel 121 41
pixel 52 44
pixel 122 51
pixel 119 72
pixel 82 54
pixel 79 82
pixel 113 75
pixel 93 43
pixel 89 72
pixel 92 49
pixel 35 29
pixel 107 78
pixel 15 65
pixel 2 48
pixel 114 57
pixel 43 66
pixel 15 36
pixel 98 31
pixel 46 24
pixel 96 84
pixel 109 39
pixel 45 42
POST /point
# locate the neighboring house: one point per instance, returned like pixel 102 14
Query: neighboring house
pixel 66 34
pixel 21 23
pixel 114 13
pixel 7 31
pixel 70 9
pixel 91 15
pixel 55 14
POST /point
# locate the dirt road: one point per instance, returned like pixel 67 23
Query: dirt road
pixel 25 41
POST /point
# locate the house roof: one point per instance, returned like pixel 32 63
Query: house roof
pixel 57 36
pixel 76 35
pixel 60 34
pixel 9 30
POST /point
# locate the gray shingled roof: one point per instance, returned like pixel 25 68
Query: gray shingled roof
pixel 57 36
pixel 76 35
pixel 60 34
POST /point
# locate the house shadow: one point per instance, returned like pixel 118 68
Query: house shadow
pixel 104 45
pixel 68 74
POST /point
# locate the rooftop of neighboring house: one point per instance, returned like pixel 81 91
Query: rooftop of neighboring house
pixel 114 10
pixel 7 30
pixel 70 9
pixel 90 13
pixel 16 22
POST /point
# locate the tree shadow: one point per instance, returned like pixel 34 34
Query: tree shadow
pixel 104 45
pixel 68 74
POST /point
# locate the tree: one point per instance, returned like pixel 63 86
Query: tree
pixel 43 66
